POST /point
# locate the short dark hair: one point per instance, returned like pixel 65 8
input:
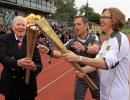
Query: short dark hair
pixel 118 18
pixel 85 20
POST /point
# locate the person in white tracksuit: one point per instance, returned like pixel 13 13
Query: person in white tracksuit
pixel 112 61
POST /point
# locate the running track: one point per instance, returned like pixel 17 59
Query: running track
pixel 56 81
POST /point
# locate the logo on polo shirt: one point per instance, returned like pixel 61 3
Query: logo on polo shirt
pixel 90 44
pixel 108 47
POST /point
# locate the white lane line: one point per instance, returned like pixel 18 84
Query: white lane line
pixel 52 66
pixel 54 80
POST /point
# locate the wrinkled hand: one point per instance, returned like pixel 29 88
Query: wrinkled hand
pixel 81 74
pixel 26 63
pixel 42 48
pixel 78 46
pixel 71 57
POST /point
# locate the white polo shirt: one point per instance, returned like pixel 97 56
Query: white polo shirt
pixel 115 87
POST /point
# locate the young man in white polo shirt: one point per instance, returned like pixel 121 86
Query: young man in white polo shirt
pixel 112 59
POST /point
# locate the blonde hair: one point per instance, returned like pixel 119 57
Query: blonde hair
pixel 118 18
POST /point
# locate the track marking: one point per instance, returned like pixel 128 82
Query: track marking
pixel 53 66
pixel 46 86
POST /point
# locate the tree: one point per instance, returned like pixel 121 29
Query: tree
pixel 89 13
pixel 65 10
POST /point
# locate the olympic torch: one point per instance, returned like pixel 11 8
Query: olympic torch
pixel 31 40
pixel 46 28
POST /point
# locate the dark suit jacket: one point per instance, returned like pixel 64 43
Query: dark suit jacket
pixel 12 82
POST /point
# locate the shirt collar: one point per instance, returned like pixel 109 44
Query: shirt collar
pixel 83 40
pixel 18 38
pixel 112 34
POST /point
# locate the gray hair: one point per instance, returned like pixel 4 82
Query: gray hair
pixel 17 18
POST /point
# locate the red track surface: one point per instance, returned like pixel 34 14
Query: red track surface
pixel 56 81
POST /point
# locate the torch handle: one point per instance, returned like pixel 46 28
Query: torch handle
pixel 31 40
pixel 27 76
pixel 90 83
pixel 86 78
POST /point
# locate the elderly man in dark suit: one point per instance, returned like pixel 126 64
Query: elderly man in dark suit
pixel 13 57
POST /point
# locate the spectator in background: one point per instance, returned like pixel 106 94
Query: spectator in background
pixel 3 29
pixel 98 35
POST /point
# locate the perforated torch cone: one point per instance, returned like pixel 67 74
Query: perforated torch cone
pixel 46 28
pixel 31 40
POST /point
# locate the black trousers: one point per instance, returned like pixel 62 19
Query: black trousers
pixel 17 98
pixel 81 89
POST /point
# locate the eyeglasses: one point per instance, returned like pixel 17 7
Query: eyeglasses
pixel 105 17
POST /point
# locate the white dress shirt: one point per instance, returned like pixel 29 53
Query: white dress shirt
pixel 114 81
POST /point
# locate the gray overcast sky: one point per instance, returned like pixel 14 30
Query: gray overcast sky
pixel 99 5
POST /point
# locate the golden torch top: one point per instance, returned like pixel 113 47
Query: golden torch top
pixel 32 18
